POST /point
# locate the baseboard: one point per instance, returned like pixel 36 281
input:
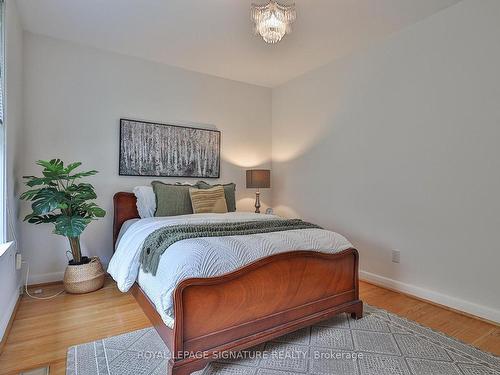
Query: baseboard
pixel 48 278
pixel 8 317
pixel 45 278
pixel 457 304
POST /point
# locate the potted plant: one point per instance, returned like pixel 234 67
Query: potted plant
pixel 58 197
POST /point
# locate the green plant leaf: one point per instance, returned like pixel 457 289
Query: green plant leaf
pixel 82 174
pixel 98 212
pixel 52 175
pixel 39 219
pixel 82 192
pixel 82 187
pixel 47 200
pixel 91 210
pixel 70 226
pixel 37 181
pixel 54 165
pixel 72 167
pixel 29 194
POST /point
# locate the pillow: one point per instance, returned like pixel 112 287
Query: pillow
pixel 208 200
pixel 171 200
pixel 146 201
pixel 229 192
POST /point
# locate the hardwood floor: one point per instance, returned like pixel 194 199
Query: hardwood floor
pixel 43 330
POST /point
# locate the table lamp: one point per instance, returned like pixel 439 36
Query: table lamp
pixel 258 179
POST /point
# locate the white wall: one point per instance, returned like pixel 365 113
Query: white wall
pixel 9 278
pixel 397 147
pixel 74 98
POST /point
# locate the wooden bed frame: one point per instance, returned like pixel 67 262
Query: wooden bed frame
pixel 253 304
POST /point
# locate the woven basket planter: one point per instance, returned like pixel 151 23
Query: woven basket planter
pixel 84 278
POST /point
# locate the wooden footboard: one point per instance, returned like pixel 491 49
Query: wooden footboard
pixel 266 299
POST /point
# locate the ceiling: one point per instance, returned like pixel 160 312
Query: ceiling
pixel 215 36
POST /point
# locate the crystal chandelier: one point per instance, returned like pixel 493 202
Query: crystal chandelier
pixel 273 20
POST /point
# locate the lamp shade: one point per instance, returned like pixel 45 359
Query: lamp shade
pixel 258 178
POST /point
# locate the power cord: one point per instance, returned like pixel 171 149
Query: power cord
pixel 14 237
pixel 26 286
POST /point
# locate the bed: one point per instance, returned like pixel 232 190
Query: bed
pixel 261 300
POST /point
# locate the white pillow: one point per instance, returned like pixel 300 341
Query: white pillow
pixel 146 201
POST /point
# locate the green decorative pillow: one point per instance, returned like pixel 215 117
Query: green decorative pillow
pixel 229 192
pixel 172 200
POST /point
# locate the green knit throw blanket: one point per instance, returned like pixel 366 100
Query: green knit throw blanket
pixel 159 241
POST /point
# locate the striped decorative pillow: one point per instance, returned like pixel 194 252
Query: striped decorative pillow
pixel 208 200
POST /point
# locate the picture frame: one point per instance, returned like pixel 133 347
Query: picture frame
pixel 154 149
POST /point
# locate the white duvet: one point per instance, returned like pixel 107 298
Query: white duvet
pixel 207 256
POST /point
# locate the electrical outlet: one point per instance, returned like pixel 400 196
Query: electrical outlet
pixel 396 256
pixel 19 261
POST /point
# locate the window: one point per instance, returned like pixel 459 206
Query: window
pixel 3 200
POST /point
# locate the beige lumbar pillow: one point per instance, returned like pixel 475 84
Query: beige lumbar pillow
pixel 208 200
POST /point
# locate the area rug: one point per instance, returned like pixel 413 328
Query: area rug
pixel 379 344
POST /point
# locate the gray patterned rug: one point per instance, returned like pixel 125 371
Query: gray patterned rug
pixel 379 344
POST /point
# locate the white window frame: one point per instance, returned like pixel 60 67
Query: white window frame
pixel 3 137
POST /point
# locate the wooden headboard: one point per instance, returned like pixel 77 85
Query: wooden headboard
pixel 125 208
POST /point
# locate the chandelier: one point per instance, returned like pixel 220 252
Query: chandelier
pixel 273 20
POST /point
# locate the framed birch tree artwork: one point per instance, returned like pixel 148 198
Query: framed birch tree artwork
pixel 162 150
